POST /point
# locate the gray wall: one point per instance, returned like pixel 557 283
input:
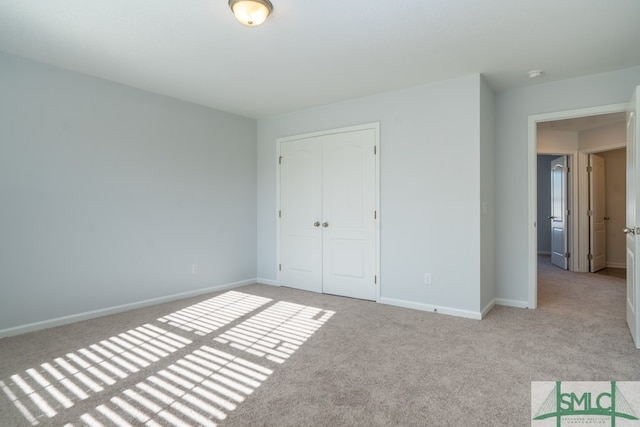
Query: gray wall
pixel 430 187
pixel 513 107
pixel 109 194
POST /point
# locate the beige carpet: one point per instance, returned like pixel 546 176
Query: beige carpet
pixel 262 355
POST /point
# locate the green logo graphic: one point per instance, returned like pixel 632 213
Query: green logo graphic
pixel 611 404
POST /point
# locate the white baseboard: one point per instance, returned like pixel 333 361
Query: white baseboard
pixel 432 308
pixel 512 303
pixel 36 326
pixel 617 264
pixel 488 308
pixel 267 282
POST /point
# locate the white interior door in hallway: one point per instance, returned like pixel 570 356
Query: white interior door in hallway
pixel 559 217
pixel 328 212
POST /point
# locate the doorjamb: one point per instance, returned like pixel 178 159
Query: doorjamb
pixel 376 127
pixel 532 141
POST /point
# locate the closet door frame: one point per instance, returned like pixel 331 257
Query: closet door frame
pixel 375 126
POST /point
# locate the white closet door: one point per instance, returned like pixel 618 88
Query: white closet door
pixel 348 206
pixel 301 208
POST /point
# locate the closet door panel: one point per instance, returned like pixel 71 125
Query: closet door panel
pixel 348 194
pixel 301 211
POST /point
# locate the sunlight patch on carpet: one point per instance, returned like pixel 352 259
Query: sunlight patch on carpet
pixel 212 314
pixel 59 384
pixel 199 388
pixel 276 332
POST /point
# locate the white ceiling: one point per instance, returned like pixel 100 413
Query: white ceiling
pixel 313 52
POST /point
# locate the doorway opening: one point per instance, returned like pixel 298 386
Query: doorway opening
pixel 545 130
pixel 581 192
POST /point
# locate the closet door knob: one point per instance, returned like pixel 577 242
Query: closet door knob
pixel 325 224
pixel 316 224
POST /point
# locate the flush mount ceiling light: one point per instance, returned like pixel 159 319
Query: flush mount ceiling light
pixel 534 74
pixel 251 12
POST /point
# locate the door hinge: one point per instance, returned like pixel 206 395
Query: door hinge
pixel 375 214
pixel 590 257
pixel 375 280
pixel 568 212
pixel 280 160
pixel 279 267
pixel 568 169
pixel 589 169
pixel 567 255
pixel 589 213
pixel 374 150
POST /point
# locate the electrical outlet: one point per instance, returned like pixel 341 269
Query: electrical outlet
pixel 194 268
pixel 427 279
